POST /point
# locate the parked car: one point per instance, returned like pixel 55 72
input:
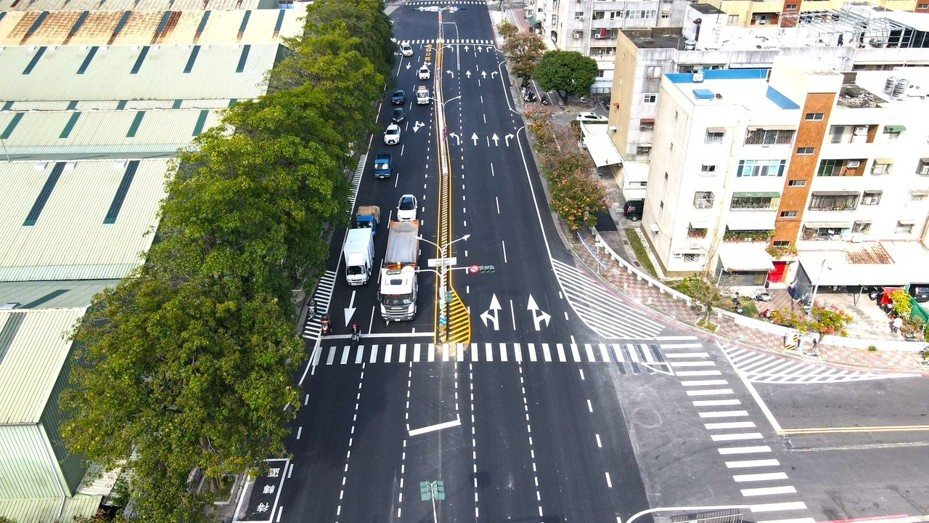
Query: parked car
pixel 392 134
pixel 398 98
pixel 633 210
pixel 406 208
pixel 591 117
pixel 406 49
pixel 423 73
pixel 399 116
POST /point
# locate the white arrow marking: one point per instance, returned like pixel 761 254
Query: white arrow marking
pixel 538 316
pixel 457 138
pixel 417 125
pixel 468 74
pixel 493 73
pixel 488 48
pixel 450 72
pixel 466 49
pixel 492 313
pixel 474 138
pixel 350 310
pixel 507 138
pixel 408 65
pixel 496 139
pixel 483 74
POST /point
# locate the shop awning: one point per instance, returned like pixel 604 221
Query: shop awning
pixel 602 150
pixel 745 257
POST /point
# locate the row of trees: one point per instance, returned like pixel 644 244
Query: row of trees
pixel 576 195
pixel 568 73
pixel 189 363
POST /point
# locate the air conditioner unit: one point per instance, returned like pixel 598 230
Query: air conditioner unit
pixel 654 228
pixel 853 164
pixel 577 35
pixel 645 128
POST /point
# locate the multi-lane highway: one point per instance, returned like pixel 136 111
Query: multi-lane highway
pixel 561 401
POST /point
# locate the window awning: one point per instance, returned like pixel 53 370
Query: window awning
pixel 827 225
pixel 715 129
pixel 700 224
pixel 602 150
pixel 894 128
pixel 647 120
pixel 745 257
pixel 919 192
pixel 924 160
pixel 885 161
pixel 756 195
pixel 835 193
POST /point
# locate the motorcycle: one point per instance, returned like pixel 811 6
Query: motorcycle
pixel 762 296
pixel 356 334
pixel 325 327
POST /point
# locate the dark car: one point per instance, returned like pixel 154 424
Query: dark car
pixel 398 98
pixel 633 210
pixel 398 115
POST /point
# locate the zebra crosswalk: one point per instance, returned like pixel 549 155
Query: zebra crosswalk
pixel 450 41
pixel 600 310
pixel 631 358
pixel 447 2
pixel 760 367
pixel 321 297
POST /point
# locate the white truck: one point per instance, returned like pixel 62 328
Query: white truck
pixel 397 294
pixel 422 95
pixel 358 256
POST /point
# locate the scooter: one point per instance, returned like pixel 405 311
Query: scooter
pixel 325 327
pixel 762 296
pixel 356 335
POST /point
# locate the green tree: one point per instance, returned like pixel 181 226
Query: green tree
pixel 523 50
pixel 704 291
pixel 175 377
pixel 365 22
pixel 506 29
pixel 566 72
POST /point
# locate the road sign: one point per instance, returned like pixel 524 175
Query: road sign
pixel 438 262
pixel 474 269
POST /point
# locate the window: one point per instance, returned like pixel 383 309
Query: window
pixel 825 233
pixel 646 124
pixel 600 73
pixel 904 228
pixel 788 214
pixel 922 6
pixel 698 232
pixel 834 202
pixel 675 114
pixel 837 132
pixel 796 183
pixel 805 151
pixel 703 200
pixel 871 198
pixel 651 98
pixel 830 168
pixel 815 117
pixel 688 257
pixel 653 71
pixel 880 168
pixel 892 132
pixel 751 202
pixel 714 136
pixel 781 243
pixel 643 151
pixel 707 169
pixel 637 185
pixel 761 168
pixel 768 136
pixel 918 195
pixel 733 20
pixel 923 168
pixel 579 15
pixel 861 227
pixel 665 14
pixel 598 15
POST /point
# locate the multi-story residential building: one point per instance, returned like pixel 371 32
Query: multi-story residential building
pixel 591 26
pixel 705 42
pixel 834 165
pixel 786 13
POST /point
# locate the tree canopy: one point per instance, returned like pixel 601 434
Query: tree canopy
pixel 189 362
pixel 523 50
pixel 566 72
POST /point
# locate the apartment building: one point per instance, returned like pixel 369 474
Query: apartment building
pixel 830 167
pixel 590 27
pixel 787 13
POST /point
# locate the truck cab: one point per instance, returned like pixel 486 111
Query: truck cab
pixel 368 217
pixel 397 294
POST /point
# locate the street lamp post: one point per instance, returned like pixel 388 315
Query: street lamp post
pixel 822 267
pixel 443 270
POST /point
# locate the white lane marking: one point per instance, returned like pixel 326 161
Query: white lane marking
pixel 776 507
pixel 489 352
pixel 590 353
pixel 751 463
pixel 560 348
pixel 373 354
pixel 724 414
pixel 736 437
pixel 770 476
pixel 751 390
pixel 674 355
pixel 677 364
pixel 618 351
pixel 609 483
pixel 503 243
pixel 345 350
pixel 517 352
pixel 331 357
pixel 590 406
pixel 498 204
pixel 503 352
pixel 725 451
pixel 360 355
pixel 715 403
pixel 416 352
pixel 709 392
pixel 532 355
pixel 437 426
pixel 299 431
pixel 698 373
pixel 768 491
pixel 575 353
pixel 703 383
pixel 402 353
pixel 730 425
pixel 513 314
pixel 599 444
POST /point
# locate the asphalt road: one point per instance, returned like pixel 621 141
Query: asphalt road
pixel 572 403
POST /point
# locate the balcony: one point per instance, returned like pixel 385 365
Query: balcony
pixel 843 167
pixel 860 133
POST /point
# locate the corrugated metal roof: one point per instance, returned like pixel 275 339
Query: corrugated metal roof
pixel 131 5
pixel 108 76
pixel 49 509
pixel 52 294
pixel 37 347
pixel 69 240
pixel 101 133
pixel 110 105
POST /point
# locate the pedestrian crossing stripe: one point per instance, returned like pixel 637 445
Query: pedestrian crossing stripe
pixel 759 367
pixel 321 296
pixel 637 356
pixel 448 2
pixel 450 41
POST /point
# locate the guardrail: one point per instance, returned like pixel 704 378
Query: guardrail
pixel 639 275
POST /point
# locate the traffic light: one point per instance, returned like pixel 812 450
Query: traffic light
pixel 486 269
